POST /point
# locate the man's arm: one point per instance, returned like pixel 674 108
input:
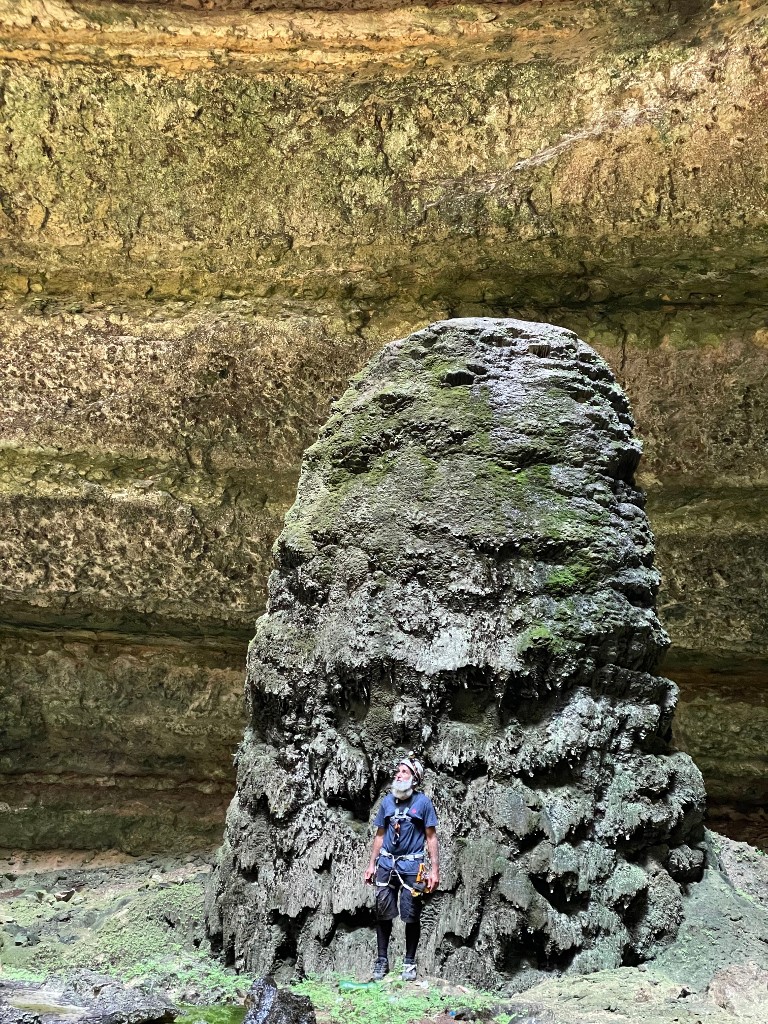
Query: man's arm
pixel 378 842
pixel 433 878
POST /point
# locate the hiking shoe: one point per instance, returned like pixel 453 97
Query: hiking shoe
pixel 409 970
pixel 380 968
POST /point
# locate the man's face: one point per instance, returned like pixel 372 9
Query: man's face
pixel 403 774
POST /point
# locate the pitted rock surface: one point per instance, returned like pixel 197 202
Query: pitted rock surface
pixel 467 569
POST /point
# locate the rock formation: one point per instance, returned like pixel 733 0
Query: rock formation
pixel 467 569
pixel 267 1004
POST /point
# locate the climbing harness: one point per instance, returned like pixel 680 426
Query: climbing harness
pixel 394 871
pixel 401 815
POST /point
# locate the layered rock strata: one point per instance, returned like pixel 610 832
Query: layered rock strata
pixel 468 569
pixel 621 144
pixel 145 468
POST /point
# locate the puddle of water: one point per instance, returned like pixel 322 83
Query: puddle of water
pixel 216 1014
pixel 59 1010
pixel 211 1014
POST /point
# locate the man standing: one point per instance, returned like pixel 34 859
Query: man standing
pixel 405 830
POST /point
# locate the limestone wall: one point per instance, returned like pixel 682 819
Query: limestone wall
pixel 212 214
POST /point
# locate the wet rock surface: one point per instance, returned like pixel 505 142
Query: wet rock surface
pixel 268 1004
pixel 131 919
pixel 467 569
pixel 84 998
pixel 177 311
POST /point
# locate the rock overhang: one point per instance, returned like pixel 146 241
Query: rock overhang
pixel 417 192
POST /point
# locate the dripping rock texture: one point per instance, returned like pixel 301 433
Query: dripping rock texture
pixel 467 568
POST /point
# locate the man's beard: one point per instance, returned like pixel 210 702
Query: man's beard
pixel 401 790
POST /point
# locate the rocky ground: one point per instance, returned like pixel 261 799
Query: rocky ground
pixel 140 921
pixel 135 919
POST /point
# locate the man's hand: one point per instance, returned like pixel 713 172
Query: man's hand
pixel 433 880
pixel 370 873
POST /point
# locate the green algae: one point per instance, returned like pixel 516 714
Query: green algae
pixel 152 934
pixel 216 1014
pixel 119 938
pixel 356 444
pixel 574 577
pixel 122 180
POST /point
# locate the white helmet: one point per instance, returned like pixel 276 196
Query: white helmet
pixel 413 764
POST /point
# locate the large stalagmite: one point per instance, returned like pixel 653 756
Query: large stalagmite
pixel 468 570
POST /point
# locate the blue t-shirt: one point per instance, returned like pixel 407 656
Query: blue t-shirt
pixel 418 815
